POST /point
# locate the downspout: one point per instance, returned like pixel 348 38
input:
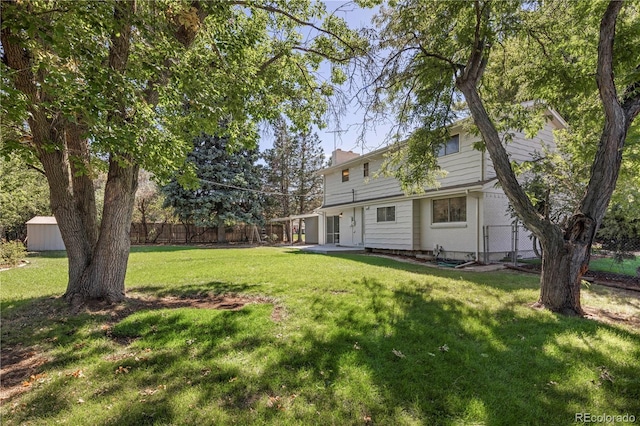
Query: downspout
pixel 477 229
pixel 482 177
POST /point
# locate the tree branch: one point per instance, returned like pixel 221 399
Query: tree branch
pixel 294 18
pixel 631 99
pixel 604 73
pixel 456 66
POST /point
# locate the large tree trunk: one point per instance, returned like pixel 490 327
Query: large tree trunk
pixel 103 277
pixel 565 253
pixel 564 262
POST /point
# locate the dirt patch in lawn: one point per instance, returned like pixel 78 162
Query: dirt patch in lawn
pixel 20 366
pixel 135 302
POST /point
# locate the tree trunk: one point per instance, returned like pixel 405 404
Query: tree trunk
pixel 103 277
pixel 564 262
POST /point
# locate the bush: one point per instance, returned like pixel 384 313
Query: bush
pixel 12 252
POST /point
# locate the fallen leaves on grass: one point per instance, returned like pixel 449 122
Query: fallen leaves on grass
pixel 444 348
pixel 398 353
pixel 77 374
pixel 39 378
pixel 122 370
pixel 604 374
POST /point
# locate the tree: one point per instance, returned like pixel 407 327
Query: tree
pixel 444 52
pixel 291 167
pixel 130 83
pixel 23 194
pixel 227 191
pixel 149 207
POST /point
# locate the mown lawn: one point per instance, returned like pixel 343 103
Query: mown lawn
pixel 356 340
pixel 622 266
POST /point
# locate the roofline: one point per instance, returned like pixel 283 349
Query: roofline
pixel 555 116
pixel 429 193
pixel 294 217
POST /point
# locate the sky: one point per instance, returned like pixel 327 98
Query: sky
pixel 344 135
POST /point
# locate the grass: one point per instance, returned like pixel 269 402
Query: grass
pixel 360 340
pixel 609 264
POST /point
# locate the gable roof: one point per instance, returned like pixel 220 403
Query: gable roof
pixel 553 116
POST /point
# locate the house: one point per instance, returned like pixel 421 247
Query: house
pixel 43 234
pixel 466 217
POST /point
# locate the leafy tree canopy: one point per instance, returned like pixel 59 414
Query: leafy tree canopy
pixel 189 64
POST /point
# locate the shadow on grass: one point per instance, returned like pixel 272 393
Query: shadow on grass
pixel 195 290
pixel 397 355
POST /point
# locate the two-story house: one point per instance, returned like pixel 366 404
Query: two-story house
pixel 360 210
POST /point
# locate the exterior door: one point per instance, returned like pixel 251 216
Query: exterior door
pixel 333 229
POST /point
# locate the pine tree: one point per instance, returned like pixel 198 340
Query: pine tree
pixel 290 171
pixel 227 182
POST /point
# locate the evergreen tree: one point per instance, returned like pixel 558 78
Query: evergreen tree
pixel 226 192
pixel 290 171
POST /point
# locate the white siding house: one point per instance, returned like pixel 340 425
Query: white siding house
pixel 360 210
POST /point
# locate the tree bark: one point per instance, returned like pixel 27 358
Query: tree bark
pixel 103 277
pixel 566 250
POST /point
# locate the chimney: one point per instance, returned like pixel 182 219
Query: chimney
pixel 339 156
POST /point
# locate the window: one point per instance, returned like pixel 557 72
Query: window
pixel 365 168
pixel 386 214
pixel 450 210
pixel 450 147
pixel 345 175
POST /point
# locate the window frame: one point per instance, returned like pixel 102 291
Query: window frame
pixel 365 169
pixel 345 175
pixel 443 150
pixel 435 218
pixel 386 216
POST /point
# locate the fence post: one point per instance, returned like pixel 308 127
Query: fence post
pixel 514 243
pixel 485 243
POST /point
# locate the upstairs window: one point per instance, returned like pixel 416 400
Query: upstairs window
pixel 365 169
pixel 345 175
pixel 450 210
pixel 386 214
pixel 450 147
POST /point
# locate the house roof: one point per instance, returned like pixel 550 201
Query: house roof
pixel 294 217
pixel 553 116
pixel 42 220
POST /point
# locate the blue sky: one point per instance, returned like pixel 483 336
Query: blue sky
pixel 344 135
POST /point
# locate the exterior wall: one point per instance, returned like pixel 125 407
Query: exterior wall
pixel 350 226
pixel 464 166
pixel 44 237
pixel 398 234
pixel 311 230
pixel 522 149
pixel 458 239
pixel 358 188
pixel 498 232
pixel 359 197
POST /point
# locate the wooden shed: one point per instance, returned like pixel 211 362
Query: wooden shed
pixel 43 234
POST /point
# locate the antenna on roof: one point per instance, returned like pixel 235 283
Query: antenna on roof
pixel 334 136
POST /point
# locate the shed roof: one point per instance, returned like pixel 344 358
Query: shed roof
pixel 42 220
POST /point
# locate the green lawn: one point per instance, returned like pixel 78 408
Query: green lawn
pixel 608 264
pixel 356 340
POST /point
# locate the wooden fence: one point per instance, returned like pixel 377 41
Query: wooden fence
pixel 177 233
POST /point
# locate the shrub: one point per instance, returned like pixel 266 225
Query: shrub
pixel 12 252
